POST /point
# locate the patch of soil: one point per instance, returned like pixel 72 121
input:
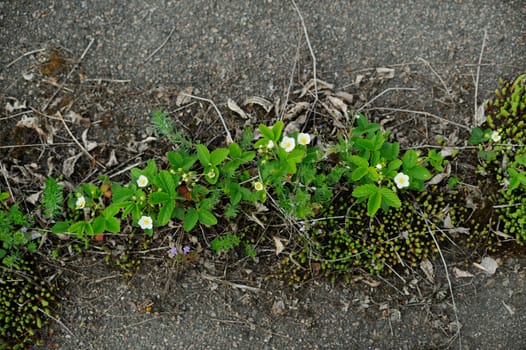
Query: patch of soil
pixel 58 112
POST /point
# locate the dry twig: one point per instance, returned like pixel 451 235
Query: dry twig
pixel 457 334
pixel 24 55
pixel 161 46
pixel 427 114
pixel 478 74
pixel 314 75
pixel 229 138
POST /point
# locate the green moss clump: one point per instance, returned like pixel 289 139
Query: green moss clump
pixel 345 239
pixel 503 160
pixel 24 300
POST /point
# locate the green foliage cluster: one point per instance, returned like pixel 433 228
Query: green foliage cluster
pixel 14 236
pixel 225 243
pixel 189 190
pixel 24 300
pixel 201 184
pixel 502 155
pixel 365 203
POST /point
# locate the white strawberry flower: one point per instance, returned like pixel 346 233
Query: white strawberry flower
pixel 495 136
pixel 258 185
pixel 80 203
pixel 288 143
pixel 142 181
pixel 401 180
pixel 146 222
pixel 303 138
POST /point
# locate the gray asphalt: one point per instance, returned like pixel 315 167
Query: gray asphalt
pixel 241 48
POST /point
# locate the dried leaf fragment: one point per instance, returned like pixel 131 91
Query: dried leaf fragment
pixel 254 100
pixel 461 273
pixel 385 73
pixel 488 265
pixel 427 267
pixel 236 109
pixel 183 98
pixel 10 107
pixel 279 246
pixel 320 84
pixel 31 123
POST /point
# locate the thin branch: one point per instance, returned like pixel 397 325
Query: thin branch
pixel 229 138
pixel 78 143
pixel 106 80
pixel 422 113
pixel 4 172
pixel 232 284
pixel 24 55
pixel 381 94
pixel 310 50
pixel 478 73
pixel 447 277
pixel 296 59
pixel 161 46
pixel 57 321
pixel 448 90
pixel 37 145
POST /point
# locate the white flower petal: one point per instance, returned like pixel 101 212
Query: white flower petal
pixel 401 180
pixel 142 181
pixel 80 203
pixel 303 139
pixel 288 143
pixel 145 222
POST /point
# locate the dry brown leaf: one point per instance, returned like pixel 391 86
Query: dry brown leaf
pixel 236 109
pixel 16 105
pixel 440 177
pixel 278 307
pixel 254 100
pixel 34 198
pixel 479 117
pixel 31 123
pixel 320 84
pixel 28 76
pixel 182 98
pixel 448 223
pixel 76 118
pixel 260 207
pixel 112 160
pixel 295 125
pixel 427 267
pixel 448 151
pixel 89 145
pixel 345 96
pixel 278 244
pixel 295 110
pixel 338 104
pixel 488 265
pixel 256 220
pixel 461 273
pixel 371 283
pixel 68 167
pixel 385 73
pixel 335 114
pixel 359 79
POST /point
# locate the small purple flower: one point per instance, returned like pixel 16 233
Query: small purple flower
pixel 173 251
pixel 186 249
pixel 23 229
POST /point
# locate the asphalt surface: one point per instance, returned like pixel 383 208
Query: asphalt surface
pixel 242 48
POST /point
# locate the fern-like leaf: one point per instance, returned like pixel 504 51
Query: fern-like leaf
pixel 52 198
